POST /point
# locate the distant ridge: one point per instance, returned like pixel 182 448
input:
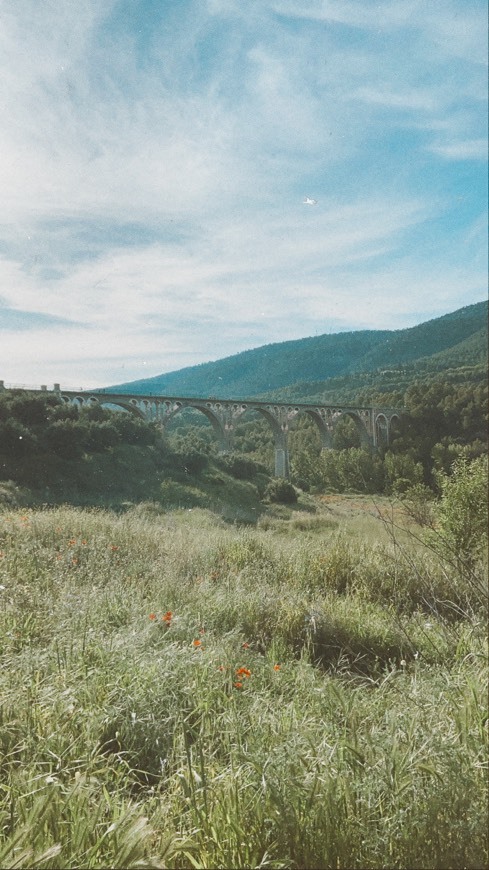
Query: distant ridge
pixel 455 339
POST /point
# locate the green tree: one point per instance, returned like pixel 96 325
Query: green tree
pixel 346 434
pixel 402 472
pixel 462 512
pixel 101 436
pixel 16 440
pixel 361 471
pixel 66 438
pixel 330 473
pixel 280 490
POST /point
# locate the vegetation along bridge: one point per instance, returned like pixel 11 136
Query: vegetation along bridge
pixel 373 424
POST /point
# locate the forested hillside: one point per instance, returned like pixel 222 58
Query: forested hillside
pixel 455 340
pixel 56 452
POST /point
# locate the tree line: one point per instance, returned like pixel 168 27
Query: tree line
pixel 41 437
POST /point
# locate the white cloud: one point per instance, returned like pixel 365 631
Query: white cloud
pixel 154 193
pixel 470 149
pixel 412 100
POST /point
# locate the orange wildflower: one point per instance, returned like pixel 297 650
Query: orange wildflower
pixel 238 685
pixel 243 672
pixel 276 667
pixel 245 645
pixel 197 642
pixel 152 616
pixel 167 617
pixel 71 542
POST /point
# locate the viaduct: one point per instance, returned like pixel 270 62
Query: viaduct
pixel 373 424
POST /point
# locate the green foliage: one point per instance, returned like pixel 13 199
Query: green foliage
pixel 281 491
pixel 242 467
pixel 65 438
pixel 350 470
pixel 11 495
pixel 134 431
pixel 297 708
pixel 346 434
pixel 419 502
pixel 462 512
pixel 402 472
pixel 392 357
pixel 16 440
pixel 447 417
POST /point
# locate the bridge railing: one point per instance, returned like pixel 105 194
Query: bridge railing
pixel 36 387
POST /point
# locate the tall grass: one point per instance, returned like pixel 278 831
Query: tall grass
pixel 310 701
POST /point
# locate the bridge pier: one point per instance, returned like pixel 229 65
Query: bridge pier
pixel 225 441
pixel 282 462
pixel 374 424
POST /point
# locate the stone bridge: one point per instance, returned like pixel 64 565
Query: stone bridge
pixel 373 424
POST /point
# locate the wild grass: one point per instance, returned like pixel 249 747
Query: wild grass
pixel 180 692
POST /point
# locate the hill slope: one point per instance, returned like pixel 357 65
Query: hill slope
pixel 458 338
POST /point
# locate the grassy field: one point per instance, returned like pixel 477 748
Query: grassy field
pixel 178 691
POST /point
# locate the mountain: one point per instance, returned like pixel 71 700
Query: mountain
pixel 458 339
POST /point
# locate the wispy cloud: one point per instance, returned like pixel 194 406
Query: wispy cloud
pixel 155 158
pixel 470 149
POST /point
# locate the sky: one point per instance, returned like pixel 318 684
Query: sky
pixel 155 156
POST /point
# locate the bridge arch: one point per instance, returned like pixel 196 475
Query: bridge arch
pixel 278 418
pixel 91 401
pixel 394 422
pixel 385 422
pixel 361 421
pixel 381 429
pixel 372 424
pixel 280 432
pixel 326 420
pixel 324 424
pixel 210 410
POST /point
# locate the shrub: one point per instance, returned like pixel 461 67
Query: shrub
pixel 189 461
pixel 241 467
pixel 12 495
pixel 67 438
pixel 462 512
pixel 418 502
pixel 16 440
pixel 402 472
pixel 280 490
pixel 135 431
pixel 101 436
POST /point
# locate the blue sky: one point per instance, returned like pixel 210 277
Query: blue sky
pixel 155 155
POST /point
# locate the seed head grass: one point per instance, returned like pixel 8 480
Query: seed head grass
pixel 180 692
